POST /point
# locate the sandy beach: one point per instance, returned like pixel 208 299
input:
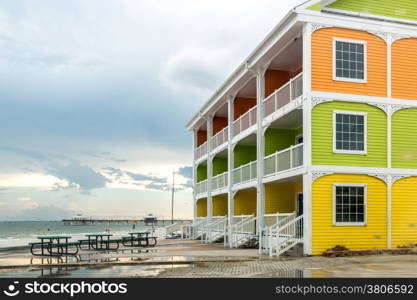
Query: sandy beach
pixel 181 258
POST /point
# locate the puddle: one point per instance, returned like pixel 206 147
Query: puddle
pixel 101 271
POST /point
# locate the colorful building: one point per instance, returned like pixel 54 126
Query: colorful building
pixel 312 141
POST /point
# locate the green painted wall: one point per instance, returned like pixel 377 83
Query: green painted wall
pixel 244 154
pixel 279 139
pixel 219 165
pixel 322 136
pixel 315 6
pixel 403 9
pixel 404 143
pixel 201 173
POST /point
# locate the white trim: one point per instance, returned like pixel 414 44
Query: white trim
pixel 364 170
pixel 365 60
pixel 350 224
pixel 365 132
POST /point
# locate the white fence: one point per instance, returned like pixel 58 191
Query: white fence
pixel 201 151
pixel 284 95
pixel 219 181
pixel 245 173
pixel 286 159
pixel 244 121
pixel 201 187
pixel 220 138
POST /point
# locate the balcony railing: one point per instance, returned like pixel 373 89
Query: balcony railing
pixel 201 150
pixel 286 159
pixel 220 138
pixel 244 121
pixel 284 95
pixel 201 187
pixel 245 173
pixel 219 181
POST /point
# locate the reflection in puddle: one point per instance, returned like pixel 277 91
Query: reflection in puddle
pixel 101 271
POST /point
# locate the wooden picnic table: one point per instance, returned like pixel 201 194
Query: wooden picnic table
pixel 48 246
pixel 97 239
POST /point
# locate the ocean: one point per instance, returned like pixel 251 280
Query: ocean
pixel 20 233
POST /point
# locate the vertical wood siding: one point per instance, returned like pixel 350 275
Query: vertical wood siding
pixel 325 235
pixel 281 197
pixel 220 205
pixel 322 136
pixel 322 63
pixel 404 69
pixel 218 124
pixel 274 79
pixel 201 137
pixel 244 154
pixel 202 207
pixel 404 143
pixel 242 105
pixel 404 212
pixel 245 202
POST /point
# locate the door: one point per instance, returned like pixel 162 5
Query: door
pixel 299 204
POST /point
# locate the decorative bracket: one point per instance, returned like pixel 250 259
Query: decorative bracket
pixel 397 107
pixel 385 178
pixel 396 37
pixel 395 178
pixel 315 27
pixel 317 174
pixel 317 100
pixel 382 35
pixel 381 106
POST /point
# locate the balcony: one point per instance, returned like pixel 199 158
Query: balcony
pixel 201 151
pixel 244 121
pixel 220 138
pixel 220 181
pixel 201 187
pixel 245 173
pixel 284 160
pixel 284 95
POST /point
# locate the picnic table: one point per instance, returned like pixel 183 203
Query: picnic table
pixel 48 243
pixel 100 241
pixel 136 239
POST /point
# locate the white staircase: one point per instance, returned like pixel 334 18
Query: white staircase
pixel 215 230
pixel 284 235
pixel 195 230
pixel 242 232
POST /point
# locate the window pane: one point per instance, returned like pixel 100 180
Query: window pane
pixel 349 133
pixel 349 60
pixel 350 206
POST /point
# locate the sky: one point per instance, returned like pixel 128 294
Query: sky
pixel 95 95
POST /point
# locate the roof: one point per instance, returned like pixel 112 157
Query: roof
pixel 397 9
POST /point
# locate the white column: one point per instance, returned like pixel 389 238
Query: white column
pixel 389 211
pixel 194 176
pixel 209 167
pixel 307 141
pixel 260 149
pixel 230 161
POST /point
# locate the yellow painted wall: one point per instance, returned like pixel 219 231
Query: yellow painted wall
pixel 245 202
pixel 404 212
pixel 322 63
pixel 325 235
pixel 202 207
pixel 220 205
pixel 281 197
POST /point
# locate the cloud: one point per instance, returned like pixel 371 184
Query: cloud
pixel 186 172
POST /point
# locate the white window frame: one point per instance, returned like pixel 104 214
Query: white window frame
pixel 365 61
pixel 365 132
pixel 365 203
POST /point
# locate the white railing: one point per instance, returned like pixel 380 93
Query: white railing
pixel 219 181
pixel 201 150
pixel 216 229
pixel 274 219
pixel 201 187
pixel 286 159
pixel 244 121
pixel 220 138
pixel 236 220
pixel 242 232
pixel 245 173
pixel 284 95
pixel 284 236
pixel 194 230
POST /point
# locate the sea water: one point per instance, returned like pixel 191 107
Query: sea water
pixel 20 233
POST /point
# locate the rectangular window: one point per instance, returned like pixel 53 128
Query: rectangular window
pixel 349 132
pixel 349 204
pixel 349 61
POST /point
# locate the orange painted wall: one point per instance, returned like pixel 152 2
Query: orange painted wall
pixel 404 69
pixel 242 105
pixel 201 137
pixel 218 124
pixel 322 63
pixel 274 79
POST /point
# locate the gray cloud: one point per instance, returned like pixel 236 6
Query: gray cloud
pixel 186 172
